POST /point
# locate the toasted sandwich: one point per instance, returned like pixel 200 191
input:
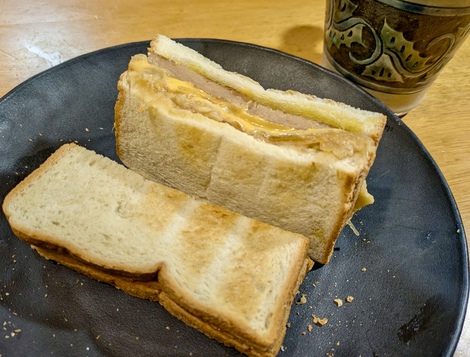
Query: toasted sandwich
pixel 289 159
pixel 231 277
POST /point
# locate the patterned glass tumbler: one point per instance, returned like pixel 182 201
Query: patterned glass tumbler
pixel 394 49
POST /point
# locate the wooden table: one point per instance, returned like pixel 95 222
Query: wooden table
pixel 35 35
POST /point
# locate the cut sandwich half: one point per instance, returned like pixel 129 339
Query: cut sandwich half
pixel 288 159
pixel 229 276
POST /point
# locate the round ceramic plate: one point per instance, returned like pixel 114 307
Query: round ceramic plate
pixel 407 270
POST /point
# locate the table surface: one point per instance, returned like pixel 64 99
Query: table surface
pixel 36 35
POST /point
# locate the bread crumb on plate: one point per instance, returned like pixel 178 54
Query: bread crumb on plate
pixel 319 320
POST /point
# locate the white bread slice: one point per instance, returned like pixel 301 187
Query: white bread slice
pixel 312 189
pixel 231 277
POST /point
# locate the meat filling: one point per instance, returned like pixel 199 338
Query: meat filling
pixel 229 95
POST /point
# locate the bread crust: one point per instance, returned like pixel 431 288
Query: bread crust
pixel 153 290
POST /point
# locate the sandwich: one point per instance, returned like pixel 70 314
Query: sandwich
pixel 231 277
pixel 289 159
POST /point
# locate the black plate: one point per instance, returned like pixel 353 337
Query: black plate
pixel 407 270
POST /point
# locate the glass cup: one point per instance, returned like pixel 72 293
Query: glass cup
pixel 394 49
